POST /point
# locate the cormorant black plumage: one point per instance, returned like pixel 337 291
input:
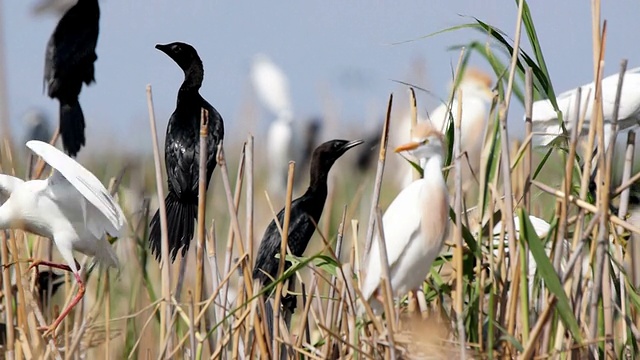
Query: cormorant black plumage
pixel 182 152
pixel 305 212
pixel 69 58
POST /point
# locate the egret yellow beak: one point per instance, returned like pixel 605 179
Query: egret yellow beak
pixel 408 146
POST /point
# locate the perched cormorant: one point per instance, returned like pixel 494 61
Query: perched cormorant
pixel 69 58
pixel 182 149
pixel 305 212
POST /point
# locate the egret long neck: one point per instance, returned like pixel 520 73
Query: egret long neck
pixel 433 167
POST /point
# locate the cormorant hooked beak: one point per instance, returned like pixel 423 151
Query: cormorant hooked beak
pixel 163 48
pixel 351 144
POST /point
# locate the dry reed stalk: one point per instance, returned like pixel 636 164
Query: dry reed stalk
pixel 601 201
pixel 303 327
pixel 528 129
pixel 249 197
pixel 165 309
pixel 236 227
pixel 504 141
pixel 283 252
pixel 107 316
pixel 202 206
pixel 457 232
pixel 385 283
pixel 382 155
pixel 8 298
pixel 607 166
pixel 586 206
pixel 580 218
pixel 414 121
pixel 229 252
pixel 331 316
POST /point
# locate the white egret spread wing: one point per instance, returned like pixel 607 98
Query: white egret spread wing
pixel 8 184
pixel 271 85
pixel 83 180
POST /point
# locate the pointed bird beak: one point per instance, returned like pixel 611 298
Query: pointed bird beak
pixel 162 48
pixel 408 146
pixel 351 144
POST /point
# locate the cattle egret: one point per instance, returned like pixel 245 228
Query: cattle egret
pixel 476 103
pixel 71 207
pixel 415 224
pixel 272 87
pixel 545 119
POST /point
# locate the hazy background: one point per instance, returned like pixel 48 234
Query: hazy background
pixel 338 56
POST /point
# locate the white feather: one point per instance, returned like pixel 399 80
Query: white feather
pixel 271 85
pixel 71 207
pixel 545 119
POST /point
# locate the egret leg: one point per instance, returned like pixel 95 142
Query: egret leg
pixel 79 295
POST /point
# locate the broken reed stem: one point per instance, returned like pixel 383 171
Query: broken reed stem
pixel 281 263
pixel 249 197
pixel 165 310
pixel 202 206
pixel 382 155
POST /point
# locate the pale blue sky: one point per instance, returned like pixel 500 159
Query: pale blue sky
pixel 334 52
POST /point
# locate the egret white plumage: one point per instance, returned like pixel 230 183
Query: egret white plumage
pixel 545 119
pixel 475 86
pixel 71 207
pixel 415 224
pixel 272 87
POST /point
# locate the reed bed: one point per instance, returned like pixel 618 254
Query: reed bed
pixel 569 293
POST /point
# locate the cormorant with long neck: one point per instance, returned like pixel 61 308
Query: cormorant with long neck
pixel 182 152
pixel 69 58
pixel 305 212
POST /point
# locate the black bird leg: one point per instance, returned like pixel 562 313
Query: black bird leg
pixel 290 301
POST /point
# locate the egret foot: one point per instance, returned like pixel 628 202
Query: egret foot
pixel 50 330
pixel 36 263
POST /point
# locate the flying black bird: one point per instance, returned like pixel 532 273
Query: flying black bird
pixel 305 212
pixel 71 52
pixel 182 152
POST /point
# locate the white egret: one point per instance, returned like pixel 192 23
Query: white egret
pixel 475 86
pixel 272 87
pixel 71 207
pixel 545 119
pixel 415 224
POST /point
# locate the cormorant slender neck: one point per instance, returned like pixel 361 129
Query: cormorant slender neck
pixel 318 175
pixel 193 76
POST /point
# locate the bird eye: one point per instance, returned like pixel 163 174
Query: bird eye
pixel 425 141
